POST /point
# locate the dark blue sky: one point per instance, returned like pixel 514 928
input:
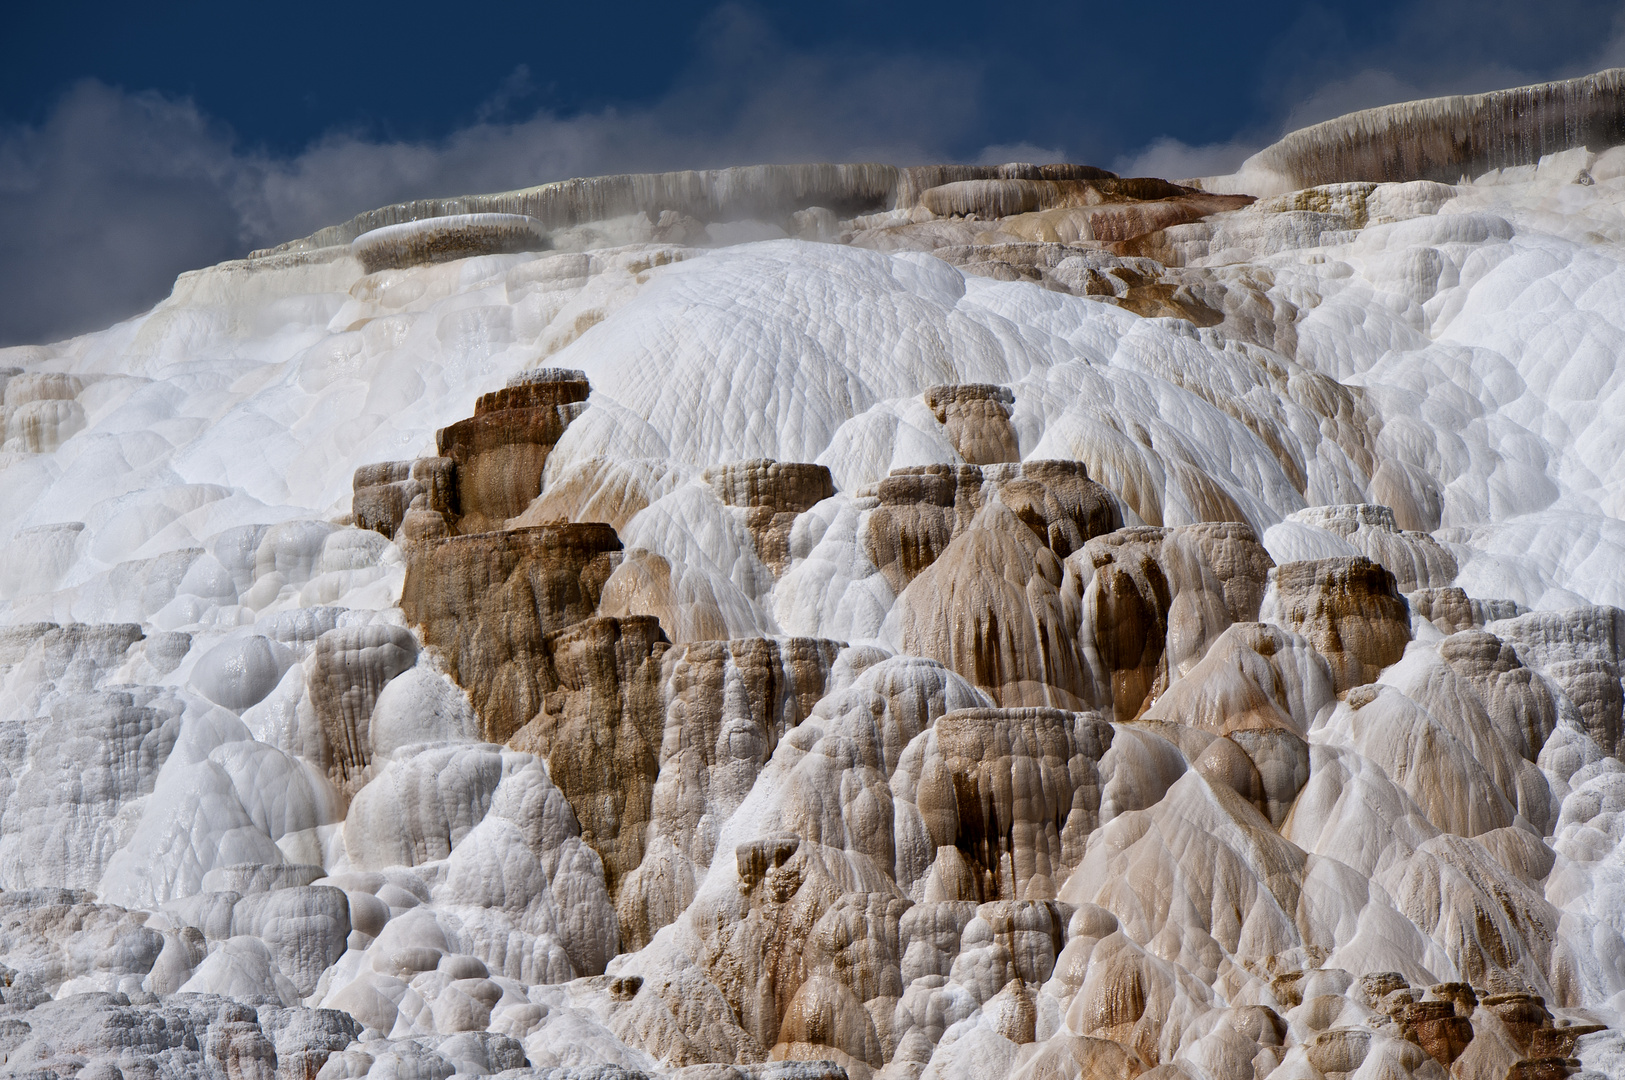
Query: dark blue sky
pixel 134 144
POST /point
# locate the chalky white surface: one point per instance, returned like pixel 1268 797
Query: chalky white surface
pixel 183 471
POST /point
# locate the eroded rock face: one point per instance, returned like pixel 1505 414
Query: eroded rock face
pixel 1008 630
pixel 1128 597
pixel 977 419
pixel 1516 699
pixel 922 509
pixel 349 668
pixel 599 728
pixel 1153 600
pixel 1008 797
pixel 1259 690
pixel 724 706
pixel 986 545
pixel 1451 610
pixel 1058 502
pixel 920 512
pixel 772 494
pixel 488 602
pixel 1105 210
pixel 384 492
pixel 1349 608
pixel 502 449
pixel 489 468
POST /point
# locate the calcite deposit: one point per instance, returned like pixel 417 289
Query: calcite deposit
pixel 804 622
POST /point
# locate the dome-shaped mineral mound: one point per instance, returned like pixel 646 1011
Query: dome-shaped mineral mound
pixel 443 239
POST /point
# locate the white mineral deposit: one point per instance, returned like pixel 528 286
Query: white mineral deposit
pixel 788 623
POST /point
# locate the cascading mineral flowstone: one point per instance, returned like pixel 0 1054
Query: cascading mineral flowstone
pixel 1020 621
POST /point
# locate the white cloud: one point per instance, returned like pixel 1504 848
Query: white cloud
pixel 1173 160
pixel 1004 153
pixel 115 193
pixel 111 196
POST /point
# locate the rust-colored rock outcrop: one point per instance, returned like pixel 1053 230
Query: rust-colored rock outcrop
pixel 921 510
pixel 599 728
pixel 977 418
pixel 1153 600
pixel 1127 604
pixel 1349 608
pixel 985 545
pixel 489 467
pixel 1018 795
pixel 1435 1027
pixel 502 449
pixel 990 608
pixel 488 602
pixel 773 494
pixel 384 492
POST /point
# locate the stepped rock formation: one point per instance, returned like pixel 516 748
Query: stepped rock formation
pixel 1450 137
pixel 844 621
pixel 461 236
pixel 487 602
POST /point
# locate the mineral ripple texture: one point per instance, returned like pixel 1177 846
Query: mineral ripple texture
pixel 845 621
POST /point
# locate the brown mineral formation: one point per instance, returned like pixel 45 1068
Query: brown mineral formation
pixel 1559 1042
pixel 602 489
pixel 1017 794
pixel 600 730
pixel 1237 693
pixel 777 958
pixel 1435 1027
pixel 490 465
pixel 1237 562
pixel 1127 604
pixel 488 601
pixel 1521 1014
pixel 984 545
pixel 978 421
pixel 921 510
pixel 990 608
pixel 1108 211
pixel 349 667
pixel 725 707
pixel 502 449
pixel 1452 610
pixel 385 491
pixel 1416 559
pixel 686 605
pixel 1349 609
pixel 1579 649
pixel 1517 700
pixel 772 494
pixel 1058 502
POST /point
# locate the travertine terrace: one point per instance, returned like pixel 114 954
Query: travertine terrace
pixel 845 620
